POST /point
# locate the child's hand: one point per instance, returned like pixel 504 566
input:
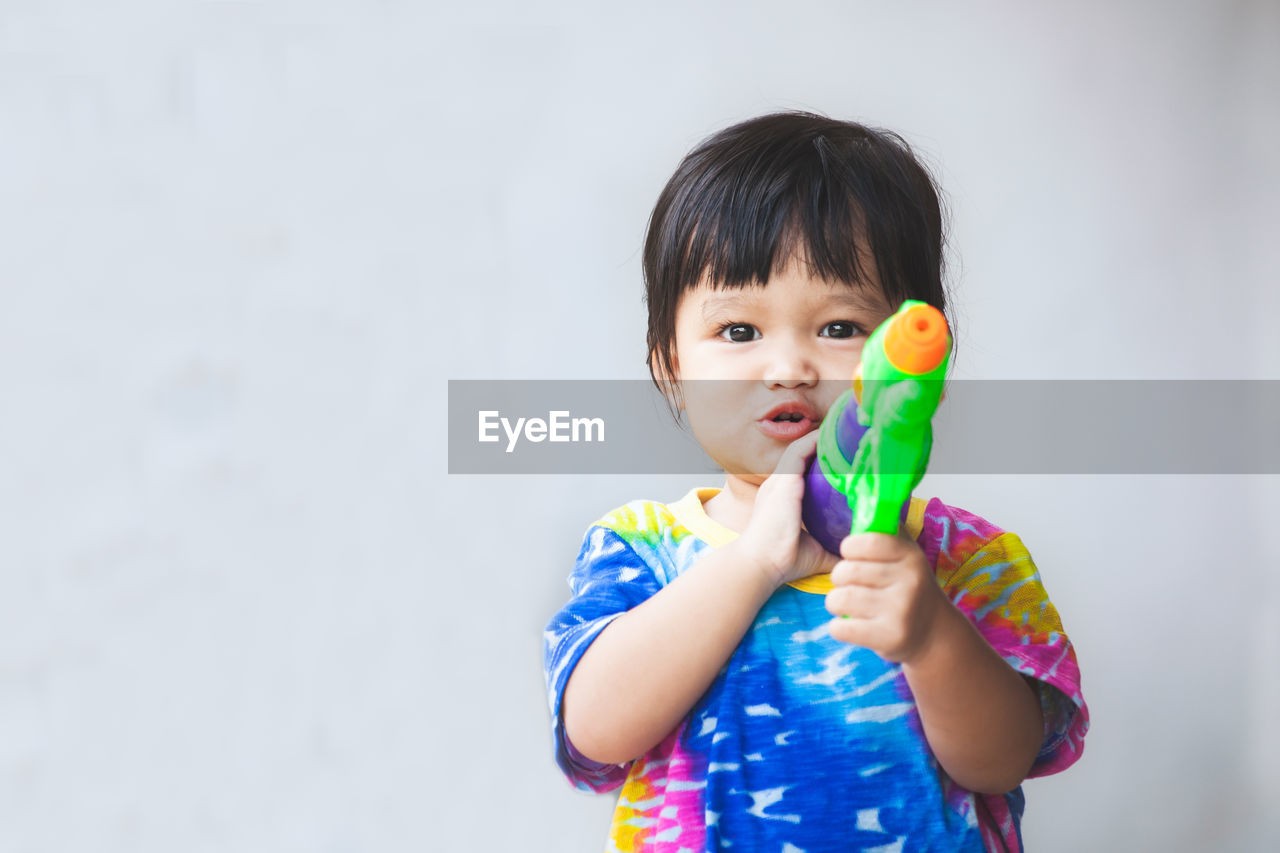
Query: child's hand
pixel 886 587
pixel 774 536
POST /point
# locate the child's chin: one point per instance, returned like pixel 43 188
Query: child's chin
pixel 753 474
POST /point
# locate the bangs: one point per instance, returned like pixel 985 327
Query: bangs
pixel 744 220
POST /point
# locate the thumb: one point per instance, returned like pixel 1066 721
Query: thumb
pixel 818 560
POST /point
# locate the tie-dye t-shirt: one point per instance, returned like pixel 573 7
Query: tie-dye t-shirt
pixel 803 742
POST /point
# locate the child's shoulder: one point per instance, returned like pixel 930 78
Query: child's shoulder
pixel 653 532
pixel 644 518
pixel 950 535
pixel 637 517
pixel 951 522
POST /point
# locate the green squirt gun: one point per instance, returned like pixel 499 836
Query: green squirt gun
pixel 873 446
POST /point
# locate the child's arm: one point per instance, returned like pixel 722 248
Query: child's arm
pixel 639 678
pixel 981 718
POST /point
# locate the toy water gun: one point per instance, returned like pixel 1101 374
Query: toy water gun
pixel 874 443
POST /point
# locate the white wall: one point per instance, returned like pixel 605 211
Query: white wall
pixel 244 245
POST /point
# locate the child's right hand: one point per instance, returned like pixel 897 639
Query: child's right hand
pixel 774 537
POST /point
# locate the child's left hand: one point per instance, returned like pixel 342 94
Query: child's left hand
pixel 884 584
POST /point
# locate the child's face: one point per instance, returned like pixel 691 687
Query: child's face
pixel 793 343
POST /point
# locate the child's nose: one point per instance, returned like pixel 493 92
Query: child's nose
pixel 790 366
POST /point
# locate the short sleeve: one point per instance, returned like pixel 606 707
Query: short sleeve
pixel 999 588
pixel 608 579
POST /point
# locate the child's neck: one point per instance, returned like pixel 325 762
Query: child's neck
pixel 732 505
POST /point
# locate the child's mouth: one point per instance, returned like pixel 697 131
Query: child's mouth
pixel 787 426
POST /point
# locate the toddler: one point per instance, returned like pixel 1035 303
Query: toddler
pixel 747 689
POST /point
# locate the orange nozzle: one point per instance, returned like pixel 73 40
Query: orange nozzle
pixel 916 340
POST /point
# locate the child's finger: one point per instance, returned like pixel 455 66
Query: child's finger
pixel 871 546
pixel 852 602
pixel 793 459
pixel 857 631
pixel 866 573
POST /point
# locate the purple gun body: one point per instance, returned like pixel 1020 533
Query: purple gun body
pixel 825 511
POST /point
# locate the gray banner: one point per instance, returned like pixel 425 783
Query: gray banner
pixel 982 427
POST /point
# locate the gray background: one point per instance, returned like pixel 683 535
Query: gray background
pixel 244 607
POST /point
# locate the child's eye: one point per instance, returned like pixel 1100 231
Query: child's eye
pixel 841 330
pixel 739 332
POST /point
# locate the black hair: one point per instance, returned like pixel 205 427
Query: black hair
pixel 743 201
